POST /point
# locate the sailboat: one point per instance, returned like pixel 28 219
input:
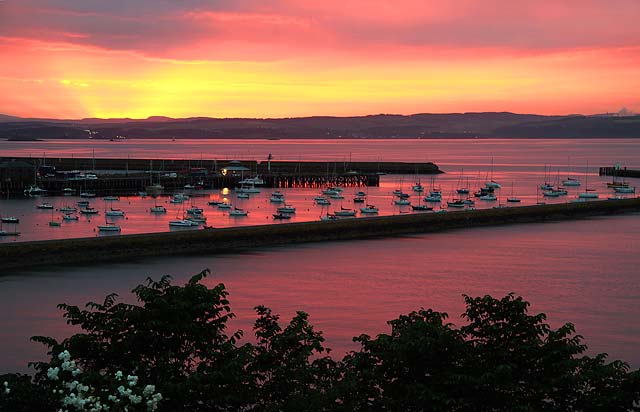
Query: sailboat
pixel 570 181
pixel 462 190
pixel 108 226
pixel 588 193
pixel 492 183
pixel 512 198
pixel 53 222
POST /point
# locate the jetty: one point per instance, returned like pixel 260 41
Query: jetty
pixel 24 255
pixel 129 176
pixel 619 172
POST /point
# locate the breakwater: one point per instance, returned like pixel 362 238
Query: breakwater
pixel 126 176
pixel 228 240
pixel 620 172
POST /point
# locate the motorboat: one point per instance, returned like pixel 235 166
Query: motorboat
pixel 69 217
pixel 281 216
pixel 44 206
pixel 158 209
pixel 369 209
pixel 488 197
pixel 10 219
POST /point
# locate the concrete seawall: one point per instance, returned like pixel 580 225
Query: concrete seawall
pixel 227 240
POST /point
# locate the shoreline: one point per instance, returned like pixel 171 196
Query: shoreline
pixel 122 248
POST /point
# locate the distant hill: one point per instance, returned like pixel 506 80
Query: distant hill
pixel 426 125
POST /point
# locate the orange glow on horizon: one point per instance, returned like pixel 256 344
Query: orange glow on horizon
pixel 321 71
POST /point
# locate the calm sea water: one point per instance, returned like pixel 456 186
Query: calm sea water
pixel 580 271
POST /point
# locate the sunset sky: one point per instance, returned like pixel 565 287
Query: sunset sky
pixel 280 58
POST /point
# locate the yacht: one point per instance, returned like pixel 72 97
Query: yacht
pixel 488 196
pixel 433 198
pixel 345 212
pixel 358 199
pixel 570 181
pixel 458 203
pixel 588 195
pixel 45 206
pixel 182 223
pixel 89 211
pixel 34 190
pixel 369 209
pixel 224 205
pixel 625 189
pixel 158 209
pixel 109 227
pixel 69 216
pixel 114 212
pixel 286 209
pixel 281 216
pixel 67 191
pixel 252 181
pixel 323 202
pixel 402 202
pixel 328 217
pixel 67 209
pixel 111 198
pixel 10 219
pixel 238 212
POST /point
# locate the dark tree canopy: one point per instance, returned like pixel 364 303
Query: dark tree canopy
pixel 176 338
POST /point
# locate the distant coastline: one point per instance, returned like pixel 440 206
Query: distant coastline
pixel 384 126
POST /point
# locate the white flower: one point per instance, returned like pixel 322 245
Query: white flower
pixel 6 391
pixel 76 372
pixel 133 380
pixel 135 399
pixel 148 390
pixel 52 373
pixel 119 375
